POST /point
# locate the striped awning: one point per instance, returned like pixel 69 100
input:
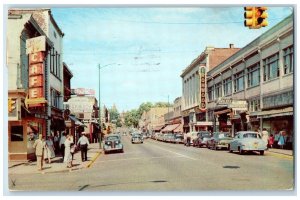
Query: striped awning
pixel 170 128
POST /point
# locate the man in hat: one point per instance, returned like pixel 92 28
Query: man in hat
pixel 83 142
pixel 39 146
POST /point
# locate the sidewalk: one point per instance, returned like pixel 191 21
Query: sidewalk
pixel 281 151
pixel 25 167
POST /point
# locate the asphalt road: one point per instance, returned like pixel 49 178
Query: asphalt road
pixel 162 167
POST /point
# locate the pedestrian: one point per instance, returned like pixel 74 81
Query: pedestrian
pixel 271 141
pixel 83 143
pixel 49 150
pixel 265 136
pixel 281 140
pixel 56 143
pixel 39 146
pixel 276 138
pixel 68 155
pixel 62 145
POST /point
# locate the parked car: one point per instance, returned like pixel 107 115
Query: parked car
pixel 192 136
pixel 247 141
pixel 201 139
pixel 160 137
pixel 170 137
pixel 219 140
pixel 137 138
pixel 112 142
pixel 178 139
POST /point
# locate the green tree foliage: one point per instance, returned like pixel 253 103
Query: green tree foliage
pixel 115 116
pixel 131 118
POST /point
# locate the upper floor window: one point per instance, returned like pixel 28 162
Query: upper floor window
pixel 211 93
pixel 55 63
pixel 253 77
pixel 227 86
pixel 254 105
pixel 239 81
pixel 55 98
pixel 271 67
pixel 288 58
pixel 218 90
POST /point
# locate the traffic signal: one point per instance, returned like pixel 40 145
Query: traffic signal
pixel 11 105
pixel 255 17
pixel 261 16
pixel 249 15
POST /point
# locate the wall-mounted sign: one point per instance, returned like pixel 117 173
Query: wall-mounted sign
pixel 36 77
pixel 202 75
pixel 36 44
pixel 83 91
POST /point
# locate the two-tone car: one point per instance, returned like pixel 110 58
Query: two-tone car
pixel 137 138
pixel 246 141
pixel 201 139
pixel 219 140
pixel 112 143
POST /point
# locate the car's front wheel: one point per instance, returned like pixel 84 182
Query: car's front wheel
pixel 261 152
pixel 230 150
pixel 241 151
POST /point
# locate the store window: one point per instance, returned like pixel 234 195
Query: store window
pixel 271 67
pixel 55 96
pixel 253 76
pixel 16 133
pixel 239 82
pixel 211 93
pixel 227 86
pixel 288 58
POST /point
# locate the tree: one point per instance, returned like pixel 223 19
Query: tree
pixel 115 116
pixel 144 107
pixel 131 118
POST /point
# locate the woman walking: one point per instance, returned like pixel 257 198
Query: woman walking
pixel 49 150
pixel 68 155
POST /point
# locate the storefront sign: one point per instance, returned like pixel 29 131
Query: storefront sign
pixel 232 103
pixel 36 80
pixel 202 89
pixel 37 44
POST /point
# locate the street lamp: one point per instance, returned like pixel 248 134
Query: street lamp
pixel 101 67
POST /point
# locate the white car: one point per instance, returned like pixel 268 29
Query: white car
pixel 247 141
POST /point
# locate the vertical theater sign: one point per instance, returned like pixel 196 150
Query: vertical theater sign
pixel 202 89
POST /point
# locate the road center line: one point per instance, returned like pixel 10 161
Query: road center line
pixel 179 154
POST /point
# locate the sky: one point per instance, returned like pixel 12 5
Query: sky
pixel 146 48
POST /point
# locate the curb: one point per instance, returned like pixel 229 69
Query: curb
pixel 280 153
pixel 93 160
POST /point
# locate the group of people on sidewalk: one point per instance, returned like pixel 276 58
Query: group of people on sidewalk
pixel 45 149
pixel 279 140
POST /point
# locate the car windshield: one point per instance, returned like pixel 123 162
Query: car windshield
pixel 251 135
pixel 224 135
pixel 179 136
pixel 112 138
pixel 137 135
pixel 204 134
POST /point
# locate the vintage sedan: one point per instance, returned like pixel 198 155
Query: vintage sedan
pixel 219 140
pixel 137 138
pixel 179 139
pixel 112 142
pixel 246 141
pixel 202 138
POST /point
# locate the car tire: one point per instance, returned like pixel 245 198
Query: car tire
pixel 241 151
pixel 261 153
pixel 230 151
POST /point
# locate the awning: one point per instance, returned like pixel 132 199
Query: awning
pixel 170 128
pixel 276 113
pixel 77 122
pixel 222 111
pixel 158 128
pixel 179 129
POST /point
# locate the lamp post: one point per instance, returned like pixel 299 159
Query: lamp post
pixel 100 126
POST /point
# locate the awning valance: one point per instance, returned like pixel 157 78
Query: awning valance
pixel 170 128
pixel 276 112
pixel 222 111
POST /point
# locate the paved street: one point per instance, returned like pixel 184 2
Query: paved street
pixel 156 166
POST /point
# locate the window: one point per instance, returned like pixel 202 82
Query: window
pixel 211 92
pixel 16 133
pixel 254 105
pixel 271 67
pixel 239 82
pixel 55 96
pixel 218 90
pixel 253 77
pixel 227 86
pixel 55 63
pixel 288 58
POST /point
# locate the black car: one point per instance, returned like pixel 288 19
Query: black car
pixel 137 138
pixel 112 142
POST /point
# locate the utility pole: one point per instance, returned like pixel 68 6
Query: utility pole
pixel 100 126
